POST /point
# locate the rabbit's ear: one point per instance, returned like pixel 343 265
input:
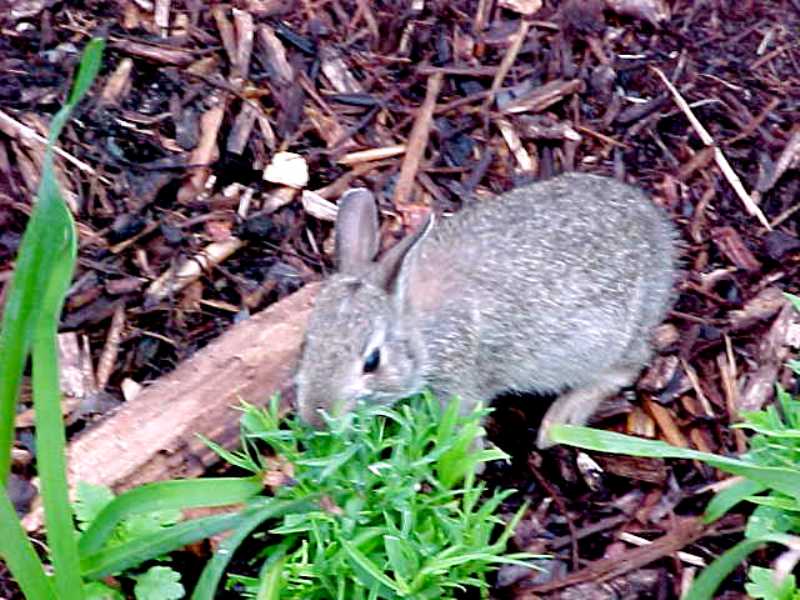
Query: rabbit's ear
pixel 393 267
pixel 356 230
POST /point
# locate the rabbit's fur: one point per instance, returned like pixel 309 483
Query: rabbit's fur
pixel 550 287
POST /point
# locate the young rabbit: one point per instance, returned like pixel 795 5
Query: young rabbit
pixel 550 287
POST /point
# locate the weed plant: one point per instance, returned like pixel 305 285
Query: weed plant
pixel 400 514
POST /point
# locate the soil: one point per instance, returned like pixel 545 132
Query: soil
pixel 182 146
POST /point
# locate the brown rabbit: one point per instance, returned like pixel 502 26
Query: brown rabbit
pixel 550 287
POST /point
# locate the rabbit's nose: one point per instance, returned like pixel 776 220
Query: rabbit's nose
pixel 313 416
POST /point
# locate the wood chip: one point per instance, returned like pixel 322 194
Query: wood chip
pixel 361 156
pixel 318 207
pixel 161 15
pixel 190 269
pixel 336 72
pixel 656 12
pixel 730 243
pixel 108 357
pixel 666 423
pixel 159 54
pixel 524 160
pixel 789 159
pixel 544 96
pixel 287 168
pixel 773 350
pixel 280 71
pixel 206 151
pixel 758 309
pixel 523 7
pixel 245 32
pixel 118 84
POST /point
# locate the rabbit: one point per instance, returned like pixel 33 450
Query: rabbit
pixel 554 287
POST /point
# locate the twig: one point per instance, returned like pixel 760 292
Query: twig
pixel 719 157
pixel 562 507
pixel 507 63
pixel 26 133
pixel 689 531
pixel 417 141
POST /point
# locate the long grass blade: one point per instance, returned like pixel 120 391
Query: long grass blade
pixel 166 495
pixel 212 573
pixel 147 547
pixel 50 435
pixel 780 479
pixel 20 556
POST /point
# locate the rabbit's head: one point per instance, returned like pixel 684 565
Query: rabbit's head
pixel 361 343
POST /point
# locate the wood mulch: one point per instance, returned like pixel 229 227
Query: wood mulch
pixel 204 168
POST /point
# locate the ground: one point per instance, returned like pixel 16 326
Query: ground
pixel 176 154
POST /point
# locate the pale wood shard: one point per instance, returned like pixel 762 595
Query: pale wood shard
pixel 656 12
pixel 523 7
pixel 206 151
pixel 335 70
pixel 226 31
pixel 280 71
pixel 118 84
pixel 108 357
pixel 245 33
pixel 182 274
pixel 318 207
pixel 161 16
pixel 242 128
pixel 155 435
pixel 544 96
pixel 362 156
pixel 514 143
pixel 160 54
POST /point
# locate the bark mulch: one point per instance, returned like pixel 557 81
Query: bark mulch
pixel 204 168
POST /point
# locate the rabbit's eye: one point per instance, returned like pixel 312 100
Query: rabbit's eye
pixel 372 361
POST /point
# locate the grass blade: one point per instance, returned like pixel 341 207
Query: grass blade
pixel 166 495
pixel 370 569
pixel 269 587
pixel 20 556
pixel 89 67
pixel 118 558
pixel 712 576
pixel 730 497
pixel 779 479
pixel 212 573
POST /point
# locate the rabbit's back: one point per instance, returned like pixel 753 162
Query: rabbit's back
pixel 546 285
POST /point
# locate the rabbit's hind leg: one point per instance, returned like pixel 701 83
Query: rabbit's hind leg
pixel 577 405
